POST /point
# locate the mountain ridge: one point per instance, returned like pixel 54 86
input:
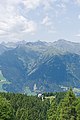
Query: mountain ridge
pixel 49 66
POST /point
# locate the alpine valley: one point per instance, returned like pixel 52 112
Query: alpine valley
pixel 34 67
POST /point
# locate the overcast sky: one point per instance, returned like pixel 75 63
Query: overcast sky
pixel 46 20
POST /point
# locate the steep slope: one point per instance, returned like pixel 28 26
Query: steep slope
pixel 59 70
pixel 3 49
pixel 49 67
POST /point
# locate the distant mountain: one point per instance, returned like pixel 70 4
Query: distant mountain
pixel 48 66
pixel 3 49
pixel 67 46
pixel 13 44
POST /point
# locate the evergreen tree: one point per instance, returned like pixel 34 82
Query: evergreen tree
pixel 22 114
pixel 6 110
pixel 78 109
pixel 67 110
pixel 51 114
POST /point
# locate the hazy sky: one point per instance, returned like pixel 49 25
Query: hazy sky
pixel 46 20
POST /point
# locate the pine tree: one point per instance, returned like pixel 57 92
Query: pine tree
pixel 67 110
pixel 78 109
pixel 6 110
pixel 51 114
pixel 22 114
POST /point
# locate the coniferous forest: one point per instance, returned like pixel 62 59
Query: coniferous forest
pixel 64 106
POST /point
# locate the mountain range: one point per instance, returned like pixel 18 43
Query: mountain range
pixel 34 67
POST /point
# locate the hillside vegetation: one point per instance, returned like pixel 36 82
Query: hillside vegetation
pixel 65 106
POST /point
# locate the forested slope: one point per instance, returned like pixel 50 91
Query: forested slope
pixel 64 106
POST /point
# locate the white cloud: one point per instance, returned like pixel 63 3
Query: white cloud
pixel 2 32
pixel 77 35
pixel 78 1
pixel 47 4
pixel 32 4
pixel 15 22
pixel 12 23
pixel 65 1
pixel 17 25
pixel 61 5
pixel 46 21
pixel 49 25
pixel 78 16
